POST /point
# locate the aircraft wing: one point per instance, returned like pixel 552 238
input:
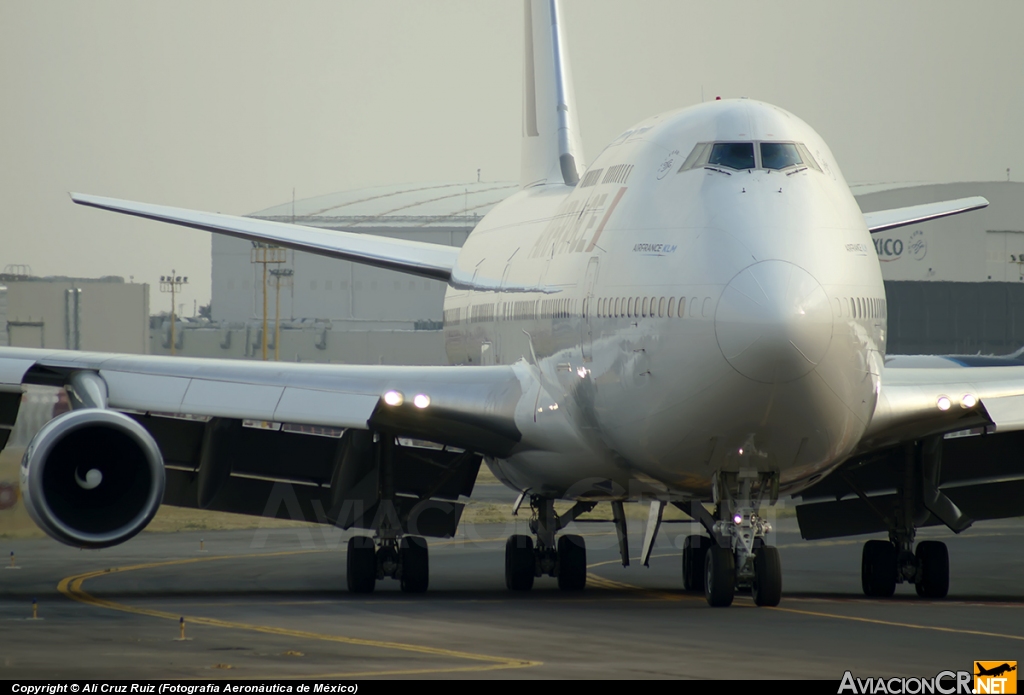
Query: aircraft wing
pixel 466 407
pixel 296 441
pixel 434 261
pixel 883 220
pixel 963 424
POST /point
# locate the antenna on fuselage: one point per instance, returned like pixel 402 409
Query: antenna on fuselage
pixel 551 148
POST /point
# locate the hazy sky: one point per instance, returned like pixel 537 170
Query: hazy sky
pixel 228 105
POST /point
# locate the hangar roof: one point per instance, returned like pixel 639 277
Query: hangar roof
pixel 418 205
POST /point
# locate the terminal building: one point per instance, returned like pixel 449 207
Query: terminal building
pixel 954 285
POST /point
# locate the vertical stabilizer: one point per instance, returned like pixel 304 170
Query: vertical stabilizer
pixel 552 153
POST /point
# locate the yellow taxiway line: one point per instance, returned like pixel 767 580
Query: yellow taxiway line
pixel 71 587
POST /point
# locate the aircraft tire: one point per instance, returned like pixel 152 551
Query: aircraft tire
pixel 361 565
pixel 933 561
pixel 878 569
pixel 520 563
pixel 694 549
pixel 415 561
pixel 767 587
pixel 572 563
pixel 719 576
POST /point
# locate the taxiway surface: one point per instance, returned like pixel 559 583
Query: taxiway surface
pixel 272 604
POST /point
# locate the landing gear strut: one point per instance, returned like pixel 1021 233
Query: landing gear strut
pixel 565 559
pixel 887 563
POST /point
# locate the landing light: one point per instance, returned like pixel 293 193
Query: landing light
pixel 421 400
pixel 738 519
pixel 968 401
pixel 394 398
pixel 943 403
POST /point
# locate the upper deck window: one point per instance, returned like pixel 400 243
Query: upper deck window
pixel 734 155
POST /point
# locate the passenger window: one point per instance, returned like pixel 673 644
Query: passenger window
pixel 779 155
pixel 636 308
pixel 735 155
pixel 644 312
pixel 682 307
pixel 629 308
pixel 661 307
pixel 671 306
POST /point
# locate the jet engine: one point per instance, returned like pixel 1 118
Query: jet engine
pixel 92 478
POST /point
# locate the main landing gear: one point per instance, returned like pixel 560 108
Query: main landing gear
pixel 895 561
pixel 404 559
pixel 736 557
pixel 565 559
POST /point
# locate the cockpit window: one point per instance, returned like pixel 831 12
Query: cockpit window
pixel 734 155
pixel 779 155
pixel 741 155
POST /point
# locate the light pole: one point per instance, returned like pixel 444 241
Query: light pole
pixel 264 254
pixel 278 277
pixel 172 283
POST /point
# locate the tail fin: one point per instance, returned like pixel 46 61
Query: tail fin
pixel 551 151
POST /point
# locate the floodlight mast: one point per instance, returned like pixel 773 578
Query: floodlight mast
pixel 172 283
pixel 279 276
pixel 264 254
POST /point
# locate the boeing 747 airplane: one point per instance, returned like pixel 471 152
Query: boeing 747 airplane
pixel 696 318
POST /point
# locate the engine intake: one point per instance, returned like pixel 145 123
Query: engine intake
pixel 92 478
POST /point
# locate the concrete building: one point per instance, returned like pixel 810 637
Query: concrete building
pixel 101 314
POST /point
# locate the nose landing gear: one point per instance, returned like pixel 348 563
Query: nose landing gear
pixel 739 557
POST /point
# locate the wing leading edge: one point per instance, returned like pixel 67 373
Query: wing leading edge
pixel 467 407
pixel 901 217
pixel 433 261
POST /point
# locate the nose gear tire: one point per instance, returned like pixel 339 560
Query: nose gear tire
pixel 694 550
pixel 719 576
pixel 767 586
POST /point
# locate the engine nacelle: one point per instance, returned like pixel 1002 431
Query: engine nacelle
pixel 92 478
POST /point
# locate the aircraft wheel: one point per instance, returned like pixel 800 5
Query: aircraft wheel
pixel 878 569
pixel 694 550
pixel 767 588
pixel 933 567
pixel 413 557
pixel 361 565
pixel 572 563
pixel 519 563
pixel 719 576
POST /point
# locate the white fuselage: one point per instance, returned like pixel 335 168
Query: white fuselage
pixel 679 322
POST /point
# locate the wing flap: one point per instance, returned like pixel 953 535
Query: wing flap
pixel 1006 412
pixel 433 261
pixel 900 217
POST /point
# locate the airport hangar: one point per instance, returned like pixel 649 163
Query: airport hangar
pixel 954 285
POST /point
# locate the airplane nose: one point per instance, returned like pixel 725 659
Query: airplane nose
pixel 774 322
